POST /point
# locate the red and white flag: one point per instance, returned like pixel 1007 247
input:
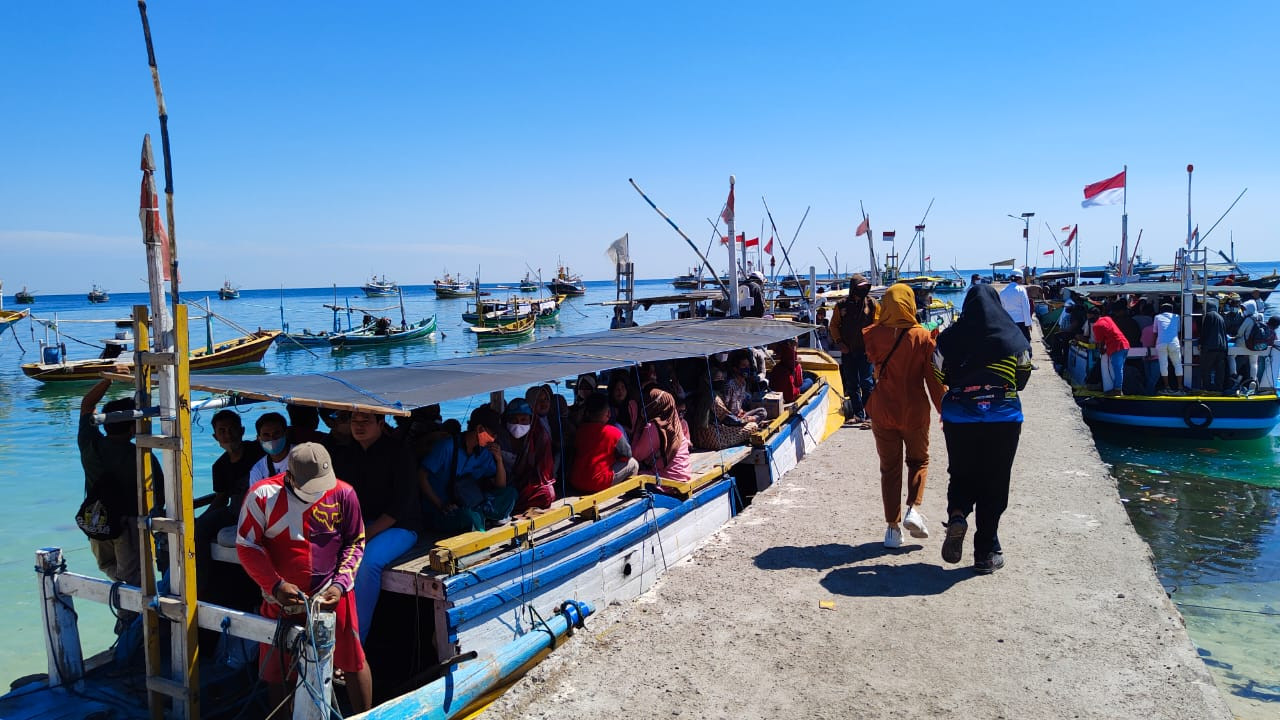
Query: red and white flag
pixel 864 227
pixel 1105 192
pixel 749 243
pixel 149 213
pixel 1047 252
pixel 741 237
pixel 927 258
pixel 889 235
pixel 1195 237
pixel 768 247
pixel 1072 236
pixel 727 215
pixel 1066 228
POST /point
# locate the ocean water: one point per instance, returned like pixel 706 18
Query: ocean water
pixel 1208 510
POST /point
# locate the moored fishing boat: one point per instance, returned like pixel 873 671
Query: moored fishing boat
pixel 691 280
pixel 24 296
pixel 98 295
pixel 382 332
pixel 514 330
pixel 546 311
pixel 567 283
pixel 9 317
pixel 228 291
pixel 528 284
pixel 244 350
pixel 450 287
pixel 379 287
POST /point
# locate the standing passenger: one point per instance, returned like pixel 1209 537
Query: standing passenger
pixel 1114 349
pixel 1168 348
pixel 1016 302
pixel 981 359
pixel 1213 348
pixel 902 350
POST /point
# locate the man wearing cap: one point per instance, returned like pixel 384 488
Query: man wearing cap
pixel 463 480
pixel 1015 301
pixel 381 469
pixel 755 287
pixel 301 536
pixel 850 316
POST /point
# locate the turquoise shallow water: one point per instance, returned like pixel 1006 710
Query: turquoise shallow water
pixel 1209 510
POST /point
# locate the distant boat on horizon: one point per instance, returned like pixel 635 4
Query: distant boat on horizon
pixel 227 291
pixel 98 295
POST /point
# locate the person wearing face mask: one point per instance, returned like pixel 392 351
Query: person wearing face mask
pixel 531 469
pixel 463 480
pixel 273 437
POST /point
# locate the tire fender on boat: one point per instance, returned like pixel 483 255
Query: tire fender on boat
pixel 1201 411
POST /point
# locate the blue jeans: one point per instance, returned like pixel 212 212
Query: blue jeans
pixel 1117 359
pixel 855 373
pixel 379 552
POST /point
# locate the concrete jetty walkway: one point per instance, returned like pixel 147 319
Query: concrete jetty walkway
pixel 1075 626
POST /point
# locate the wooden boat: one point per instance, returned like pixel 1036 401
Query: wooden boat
pixel 228 292
pixel 1197 413
pixel 377 334
pixel 567 283
pixel 450 287
pixel 691 280
pixel 546 311
pixel 244 350
pixel 528 284
pixel 521 329
pixel 480 608
pixel 9 317
pixel 98 295
pixel 24 296
pixel 379 288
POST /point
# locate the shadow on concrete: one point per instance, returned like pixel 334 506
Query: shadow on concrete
pixel 823 557
pixel 894 580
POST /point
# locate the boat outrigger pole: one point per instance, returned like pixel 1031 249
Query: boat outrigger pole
pixel 786 256
pixel 706 263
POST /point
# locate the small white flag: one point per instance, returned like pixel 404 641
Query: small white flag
pixel 619 251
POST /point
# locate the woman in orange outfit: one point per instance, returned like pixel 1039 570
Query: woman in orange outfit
pixel 901 351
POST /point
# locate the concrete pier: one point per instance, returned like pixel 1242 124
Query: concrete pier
pixel 1075 626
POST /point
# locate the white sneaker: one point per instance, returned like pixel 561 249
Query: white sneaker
pixel 893 537
pixel 916 523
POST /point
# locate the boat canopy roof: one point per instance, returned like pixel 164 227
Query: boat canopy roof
pixel 1158 288
pixel 398 390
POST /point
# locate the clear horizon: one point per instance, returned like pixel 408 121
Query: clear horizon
pixel 315 142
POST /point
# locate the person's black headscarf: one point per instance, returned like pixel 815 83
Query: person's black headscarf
pixel 984 333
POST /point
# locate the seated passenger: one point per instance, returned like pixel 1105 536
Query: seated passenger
pixel 624 409
pixel 381 470
pixel 273 436
pixel 531 472
pixel 711 425
pixel 662 448
pixel 462 480
pixel 737 389
pixel 546 411
pixel 583 388
pixel 603 453
pixel 304 424
pixel 787 377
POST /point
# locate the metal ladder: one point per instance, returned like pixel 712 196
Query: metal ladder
pixel 625 278
pixel 175 684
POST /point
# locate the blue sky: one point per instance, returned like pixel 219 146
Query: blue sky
pixel 315 143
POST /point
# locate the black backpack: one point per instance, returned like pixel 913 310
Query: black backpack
pixel 97 518
pixel 1261 337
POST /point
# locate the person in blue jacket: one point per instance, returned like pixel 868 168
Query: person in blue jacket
pixel 984 359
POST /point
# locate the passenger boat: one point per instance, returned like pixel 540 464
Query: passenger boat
pixel 476 610
pixel 24 296
pixel 546 311
pixel 98 295
pixel 567 283
pixel 227 291
pixel 244 350
pixel 379 287
pixel 514 330
pixel 1197 413
pixel 450 287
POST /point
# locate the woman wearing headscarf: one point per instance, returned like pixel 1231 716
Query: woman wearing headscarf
pixel 623 407
pixel 901 351
pixel 711 425
pixel 531 472
pixel 662 448
pixel 984 359
pixel 546 411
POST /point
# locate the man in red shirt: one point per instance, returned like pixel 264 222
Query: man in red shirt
pixel 604 455
pixel 301 535
pixel 1114 348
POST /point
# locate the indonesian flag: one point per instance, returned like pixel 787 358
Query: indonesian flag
pixel 1047 252
pixel 153 229
pixel 1195 237
pixel 1104 192
pixel 749 243
pixel 927 258
pixel 888 235
pixel 864 227
pixel 727 215
pixel 1066 228
pixel 741 237
pixel 1072 236
pixel 768 247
